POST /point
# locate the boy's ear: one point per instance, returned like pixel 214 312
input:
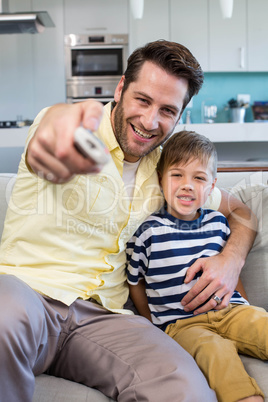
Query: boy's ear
pixel 213 185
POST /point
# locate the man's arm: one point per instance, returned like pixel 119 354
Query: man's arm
pixel 51 152
pixel 139 298
pixel 221 272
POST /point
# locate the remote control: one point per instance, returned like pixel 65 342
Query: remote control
pixel 90 146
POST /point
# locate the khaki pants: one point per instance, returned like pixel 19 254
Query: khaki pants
pixel 215 339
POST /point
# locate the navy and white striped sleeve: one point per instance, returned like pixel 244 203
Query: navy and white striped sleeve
pixel 137 261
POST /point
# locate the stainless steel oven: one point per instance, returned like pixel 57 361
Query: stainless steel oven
pixel 94 65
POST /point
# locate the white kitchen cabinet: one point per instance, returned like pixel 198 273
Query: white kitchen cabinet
pixel 222 45
pixel 189 26
pixel 257 35
pixel 153 26
pixel 238 44
pixel 228 38
pixel 96 16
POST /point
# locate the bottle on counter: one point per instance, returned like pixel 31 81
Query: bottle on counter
pixel 188 117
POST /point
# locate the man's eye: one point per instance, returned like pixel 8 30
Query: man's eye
pixel 142 100
pixel 168 111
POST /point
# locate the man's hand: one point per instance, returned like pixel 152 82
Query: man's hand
pixel 220 276
pixel 51 152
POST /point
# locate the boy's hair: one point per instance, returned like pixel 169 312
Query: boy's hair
pixel 174 58
pixel 185 146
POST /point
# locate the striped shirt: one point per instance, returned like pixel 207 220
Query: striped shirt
pixel 162 250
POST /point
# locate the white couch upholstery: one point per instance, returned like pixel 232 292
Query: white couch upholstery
pixel 254 277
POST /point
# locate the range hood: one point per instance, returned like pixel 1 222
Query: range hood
pixel 26 22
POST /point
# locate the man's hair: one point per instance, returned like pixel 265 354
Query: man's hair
pixel 185 146
pixel 172 57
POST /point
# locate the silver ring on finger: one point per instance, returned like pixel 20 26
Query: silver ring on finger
pixel 217 299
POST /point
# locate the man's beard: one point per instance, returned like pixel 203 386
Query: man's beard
pixel 120 131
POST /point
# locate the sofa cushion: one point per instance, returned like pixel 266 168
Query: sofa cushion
pixel 255 272
pixel 55 389
pixel 257 369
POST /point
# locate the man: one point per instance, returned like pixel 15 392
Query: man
pixel 65 237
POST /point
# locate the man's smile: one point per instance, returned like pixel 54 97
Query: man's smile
pixel 141 133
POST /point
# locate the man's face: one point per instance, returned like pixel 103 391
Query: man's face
pixel 146 114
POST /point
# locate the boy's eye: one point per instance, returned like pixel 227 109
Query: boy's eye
pixel 200 178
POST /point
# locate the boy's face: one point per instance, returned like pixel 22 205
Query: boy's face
pixel 147 112
pixel 187 187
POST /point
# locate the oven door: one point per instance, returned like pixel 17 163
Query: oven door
pixel 104 101
pixel 88 62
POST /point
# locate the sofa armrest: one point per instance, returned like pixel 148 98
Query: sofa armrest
pixel 7 181
pixel 254 274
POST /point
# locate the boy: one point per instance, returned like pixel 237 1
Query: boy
pixel 170 241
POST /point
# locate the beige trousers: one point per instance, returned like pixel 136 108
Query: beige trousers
pixel 214 340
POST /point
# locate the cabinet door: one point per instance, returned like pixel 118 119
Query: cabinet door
pixel 96 16
pixel 189 26
pixel 257 35
pixel 153 26
pixel 228 38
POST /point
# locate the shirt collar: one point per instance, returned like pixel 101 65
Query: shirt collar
pixel 182 224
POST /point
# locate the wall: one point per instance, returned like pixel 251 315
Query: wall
pixel 32 66
pixel 219 88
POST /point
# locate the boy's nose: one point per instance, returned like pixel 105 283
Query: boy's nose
pixel 187 186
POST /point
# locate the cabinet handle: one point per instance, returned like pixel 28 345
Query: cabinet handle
pixel 242 57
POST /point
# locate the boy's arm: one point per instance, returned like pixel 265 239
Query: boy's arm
pixel 221 272
pixel 139 298
pixel 240 288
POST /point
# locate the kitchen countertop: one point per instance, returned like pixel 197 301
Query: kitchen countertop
pixel 229 132
pixel 13 137
pixel 237 144
pixel 217 132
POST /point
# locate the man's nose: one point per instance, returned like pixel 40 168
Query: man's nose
pixel 150 119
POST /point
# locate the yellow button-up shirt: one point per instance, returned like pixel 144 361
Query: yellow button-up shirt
pixel 68 241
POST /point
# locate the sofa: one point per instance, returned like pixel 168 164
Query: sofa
pixel 252 189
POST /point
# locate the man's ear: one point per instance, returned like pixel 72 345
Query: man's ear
pixel 118 89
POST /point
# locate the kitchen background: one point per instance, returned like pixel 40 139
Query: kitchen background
pixel 232 52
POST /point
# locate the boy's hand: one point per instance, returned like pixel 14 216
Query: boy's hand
pixel 51 152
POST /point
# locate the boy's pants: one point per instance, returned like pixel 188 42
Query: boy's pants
pixel 214 340
pixel 124 356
